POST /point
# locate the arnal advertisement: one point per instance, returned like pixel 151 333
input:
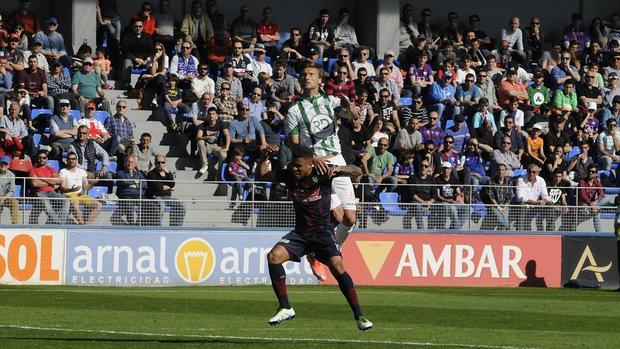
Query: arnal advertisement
pixel 31 256
pixel 174 258
pixel 453 260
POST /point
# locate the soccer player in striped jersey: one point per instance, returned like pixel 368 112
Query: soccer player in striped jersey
pixel 312 121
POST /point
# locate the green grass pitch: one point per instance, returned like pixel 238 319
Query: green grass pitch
pixel 236 317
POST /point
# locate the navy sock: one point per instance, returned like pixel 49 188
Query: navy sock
pixel 348 290
pixel 278 282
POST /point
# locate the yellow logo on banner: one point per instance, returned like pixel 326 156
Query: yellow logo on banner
pixel 374 254
pixel 593 267
pixel 195 260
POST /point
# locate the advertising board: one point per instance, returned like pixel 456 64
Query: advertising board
pixel 590 261
pixel 453 259
pixel 174 258
pixel 31 256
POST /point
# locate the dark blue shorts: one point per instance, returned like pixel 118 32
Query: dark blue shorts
pixel 322 244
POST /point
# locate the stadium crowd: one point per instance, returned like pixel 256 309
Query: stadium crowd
pixel 534 117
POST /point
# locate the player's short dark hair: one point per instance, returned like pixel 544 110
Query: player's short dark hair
pixel 212 109
pixel 300 151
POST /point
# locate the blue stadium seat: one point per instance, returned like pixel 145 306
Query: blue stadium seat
pixel 76 114
pixel 330 64
pixel 408 101
pixel 54 164
pixel 608 215
pixel 36 139
pixel 267 59
pixel 101 115
pixel 223 173
pixel 480 208
pixel 612 191
pixel 20 194
pixel 389 201
pixel 112 166
pixel 99 192
pixel 573 152
pixel 520 172
pixel 283 37
pixel 138 70
pixel 34 113
pixel 66 71
pixel 449 123
pixel 614 165
pixel 18 191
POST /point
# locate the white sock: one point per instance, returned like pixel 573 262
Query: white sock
pixel 342 233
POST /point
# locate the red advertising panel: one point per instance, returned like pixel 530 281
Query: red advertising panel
pixel 453 260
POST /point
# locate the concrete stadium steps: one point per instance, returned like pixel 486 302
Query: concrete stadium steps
pixel 176 148
pixel 140 116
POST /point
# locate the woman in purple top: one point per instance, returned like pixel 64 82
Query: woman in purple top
pixel 419 75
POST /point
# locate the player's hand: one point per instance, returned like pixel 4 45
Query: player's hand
pixel 332 171
pixel 321 166
pixel 269 150
pixel 345 102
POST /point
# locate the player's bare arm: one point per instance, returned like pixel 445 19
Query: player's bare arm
pixel 350 170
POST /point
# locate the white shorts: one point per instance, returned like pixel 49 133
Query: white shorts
pixel 343 193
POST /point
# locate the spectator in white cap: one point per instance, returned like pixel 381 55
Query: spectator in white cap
pixel 450 199
pixel 53 42
pixel 259 65
pixel 87 84
pixel 394 71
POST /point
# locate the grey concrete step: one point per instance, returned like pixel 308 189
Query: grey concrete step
pixel 140 116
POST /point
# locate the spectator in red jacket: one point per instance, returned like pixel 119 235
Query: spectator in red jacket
pixel 591 197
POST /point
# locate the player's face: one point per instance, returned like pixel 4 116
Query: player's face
pixel 302 168
pixel 310 78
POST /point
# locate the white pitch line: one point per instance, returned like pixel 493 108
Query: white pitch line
pixel 204 289
pixel 239 289
pixel 266 339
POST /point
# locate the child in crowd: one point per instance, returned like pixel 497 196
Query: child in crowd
pixel 238 172
pixel 174 100
pixel 404 167
pixel 103 66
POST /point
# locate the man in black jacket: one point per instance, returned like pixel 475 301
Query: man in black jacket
pixel 137 47
pixel 159 190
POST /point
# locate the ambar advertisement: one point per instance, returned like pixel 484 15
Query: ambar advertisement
pixel 454 259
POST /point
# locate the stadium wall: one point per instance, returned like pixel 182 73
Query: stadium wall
pixel 186 257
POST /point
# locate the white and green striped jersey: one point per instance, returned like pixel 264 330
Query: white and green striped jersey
pixel 314 121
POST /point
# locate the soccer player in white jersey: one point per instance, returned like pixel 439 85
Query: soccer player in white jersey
pixel 312 121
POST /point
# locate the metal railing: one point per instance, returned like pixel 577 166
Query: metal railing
pixel 194 205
